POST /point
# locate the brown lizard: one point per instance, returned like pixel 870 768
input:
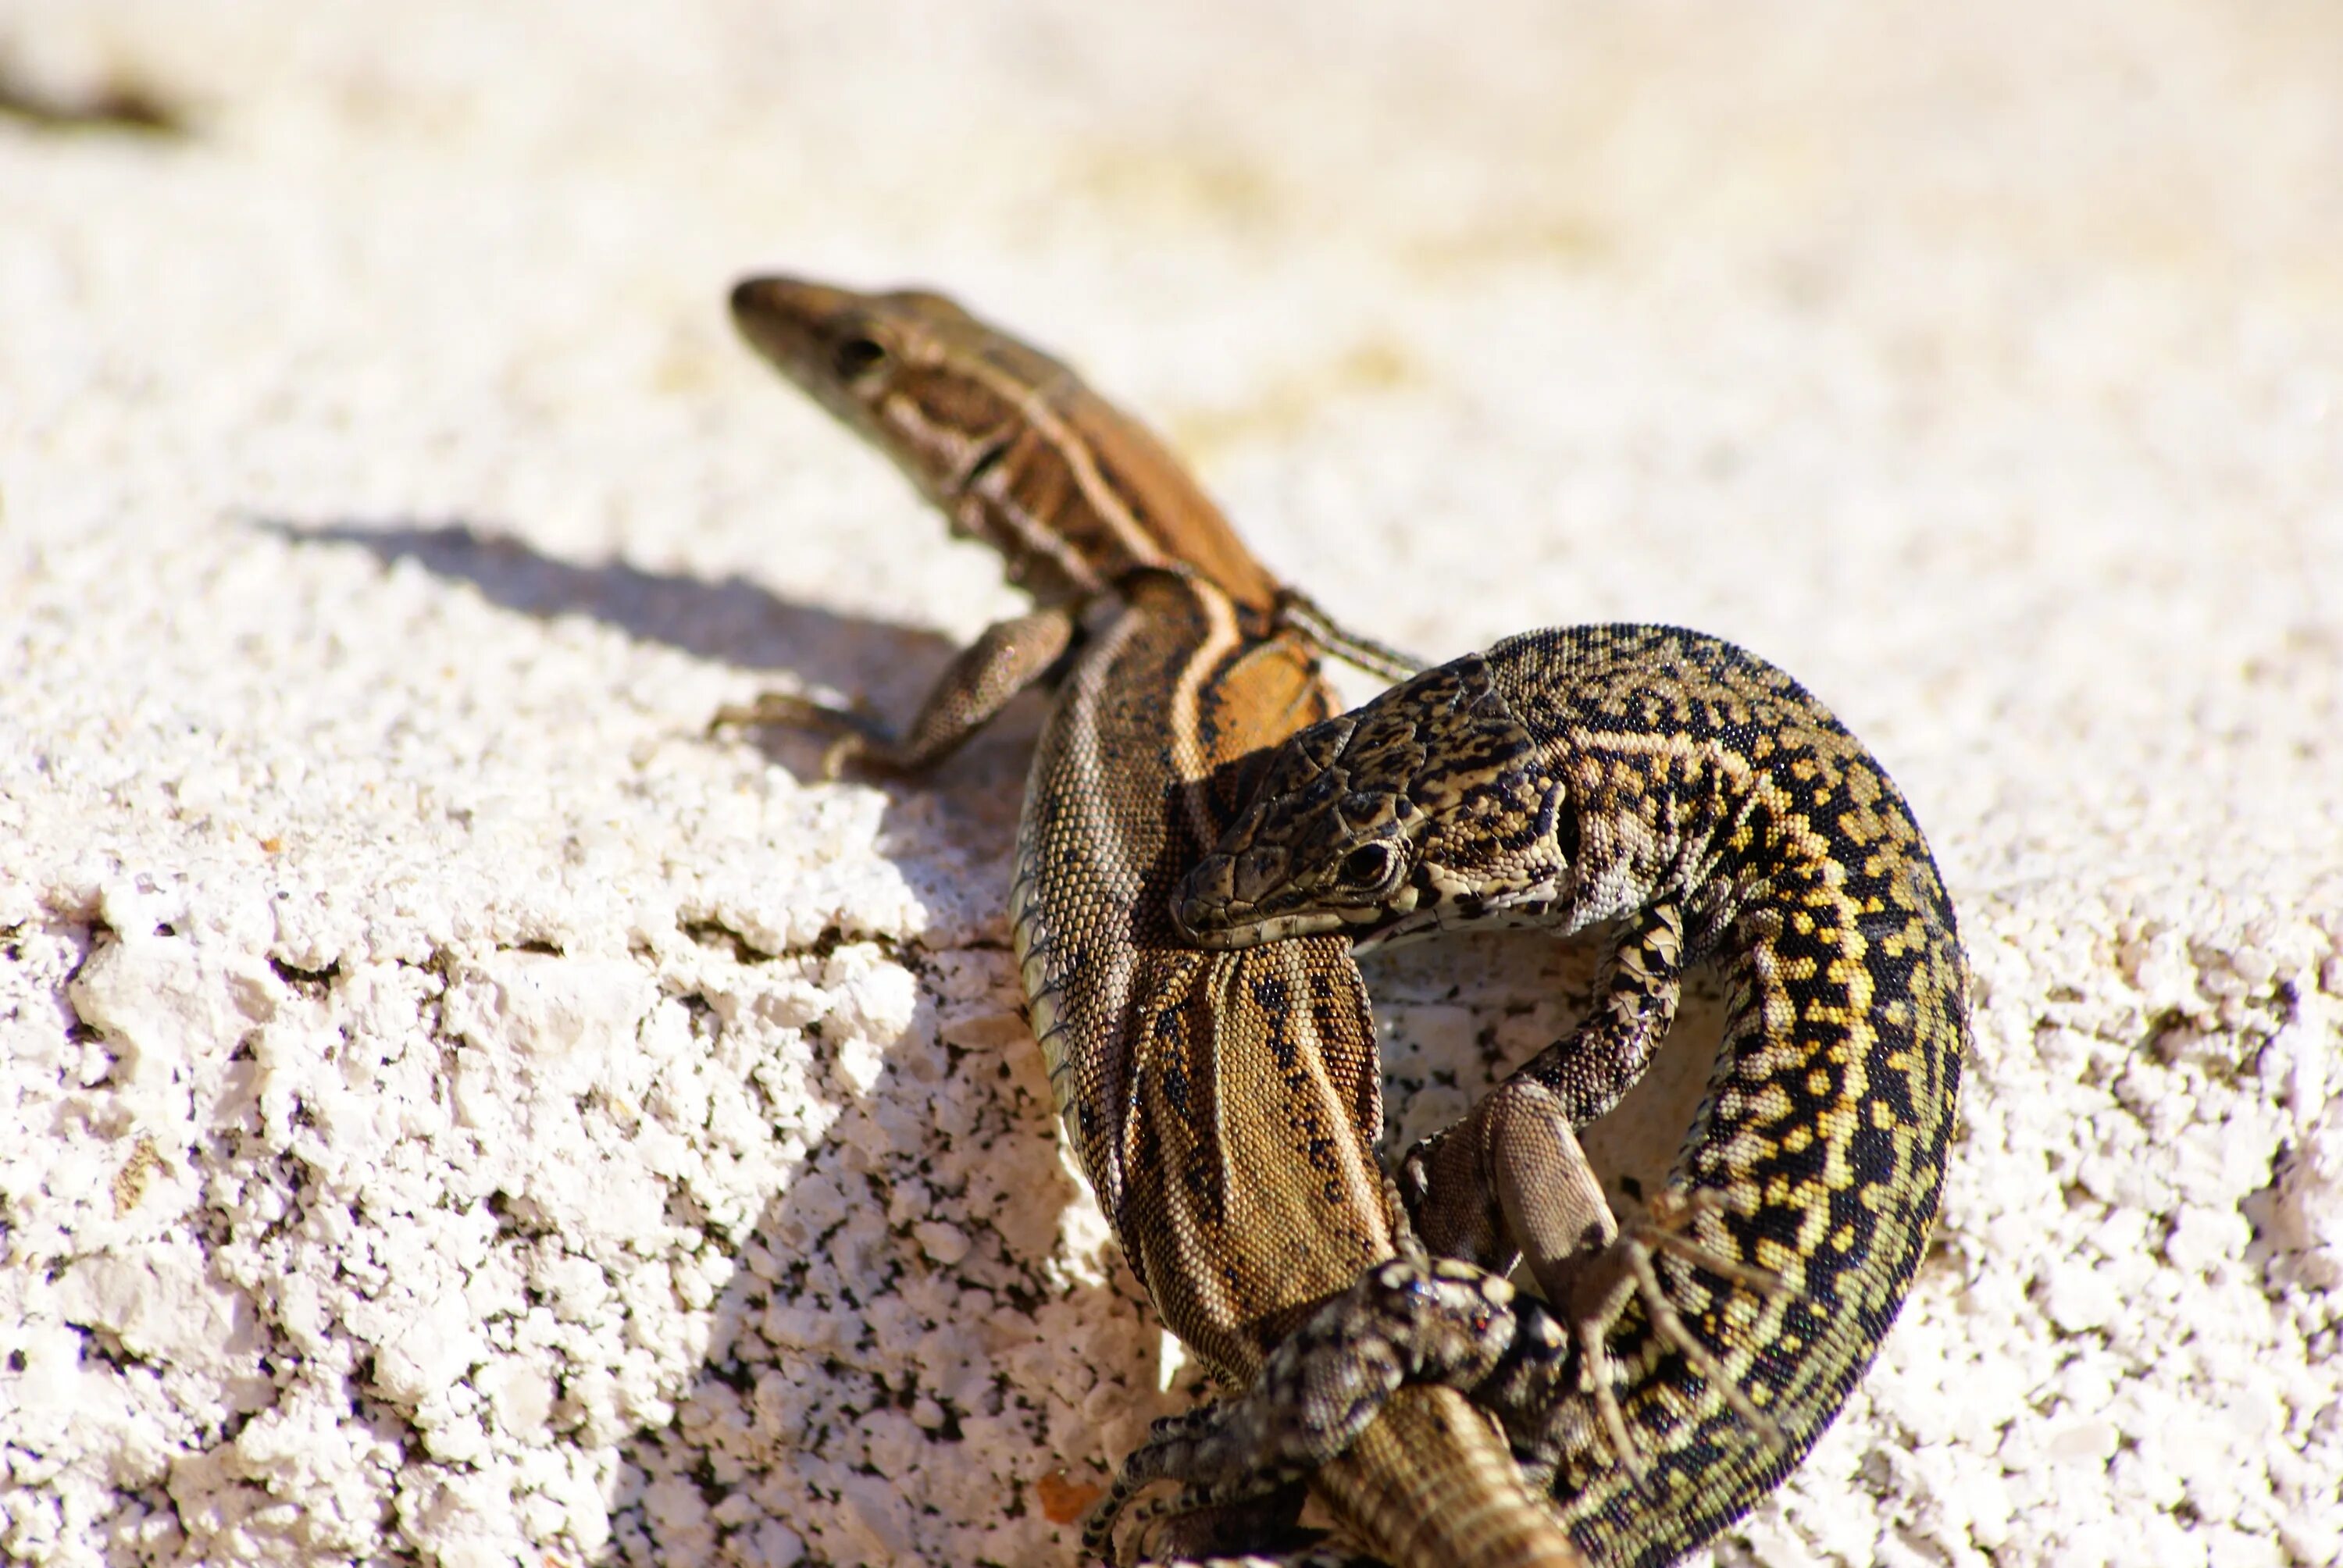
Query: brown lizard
pixel 1019 455
pixel 1223 1106
pixel 1706 803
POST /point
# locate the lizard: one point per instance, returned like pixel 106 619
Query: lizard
pixel 1021 454
pixel 1706 806
pixel 1222 1106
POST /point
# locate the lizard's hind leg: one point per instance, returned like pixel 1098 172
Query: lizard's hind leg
pixel 1528 1183
pixel 1510 1182
pixel 1592 1292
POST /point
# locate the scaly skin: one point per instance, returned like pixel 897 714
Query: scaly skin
pixel 1020 455
pixel 1700 797
pixel 1223 1106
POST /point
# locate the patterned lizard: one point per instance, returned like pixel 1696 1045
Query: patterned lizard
pixel 1700 797
pixel 1225 1105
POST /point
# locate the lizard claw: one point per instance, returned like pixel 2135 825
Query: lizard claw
pixel 1401 1210
pixel 1172 1440
pixel 854 729
pixel 1597 1294
pixel 1513 1179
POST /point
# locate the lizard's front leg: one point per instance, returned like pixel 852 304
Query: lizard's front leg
pixel 1010 656
pixel 1511 1182
pixel 1409 1320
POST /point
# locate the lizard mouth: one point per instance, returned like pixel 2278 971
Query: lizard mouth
pixel 1218 926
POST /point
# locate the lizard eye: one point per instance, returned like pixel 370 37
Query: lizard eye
pixel 1366 866
pixel 857 357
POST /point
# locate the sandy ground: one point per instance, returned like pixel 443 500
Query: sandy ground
pixel 459 1113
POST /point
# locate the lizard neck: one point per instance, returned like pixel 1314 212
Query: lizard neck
pixel 1079 496
pixel 1655 826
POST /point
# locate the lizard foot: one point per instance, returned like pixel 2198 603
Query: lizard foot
pixel 1510 1181
pixel 1594 1291
pixel 1191 1528
pixel 855 730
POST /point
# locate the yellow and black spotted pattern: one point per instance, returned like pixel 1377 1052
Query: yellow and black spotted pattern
pixel 1699 796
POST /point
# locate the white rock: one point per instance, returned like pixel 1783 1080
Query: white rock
pixel 2080 1298
pixel 411 1021
pixel 161 1303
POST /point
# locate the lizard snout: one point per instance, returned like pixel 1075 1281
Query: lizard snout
pixel 784 319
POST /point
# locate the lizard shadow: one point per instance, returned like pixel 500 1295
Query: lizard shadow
pixel 964 813
pixel 890 1356
pixel 731 619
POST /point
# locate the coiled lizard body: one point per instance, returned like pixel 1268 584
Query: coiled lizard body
pixel 1704 802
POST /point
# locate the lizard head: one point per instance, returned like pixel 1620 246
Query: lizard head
pixel 935 388
pixel 1424 808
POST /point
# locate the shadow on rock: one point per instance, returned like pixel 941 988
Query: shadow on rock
pixel 731 621
pixel 972 797
pixel 907 1349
